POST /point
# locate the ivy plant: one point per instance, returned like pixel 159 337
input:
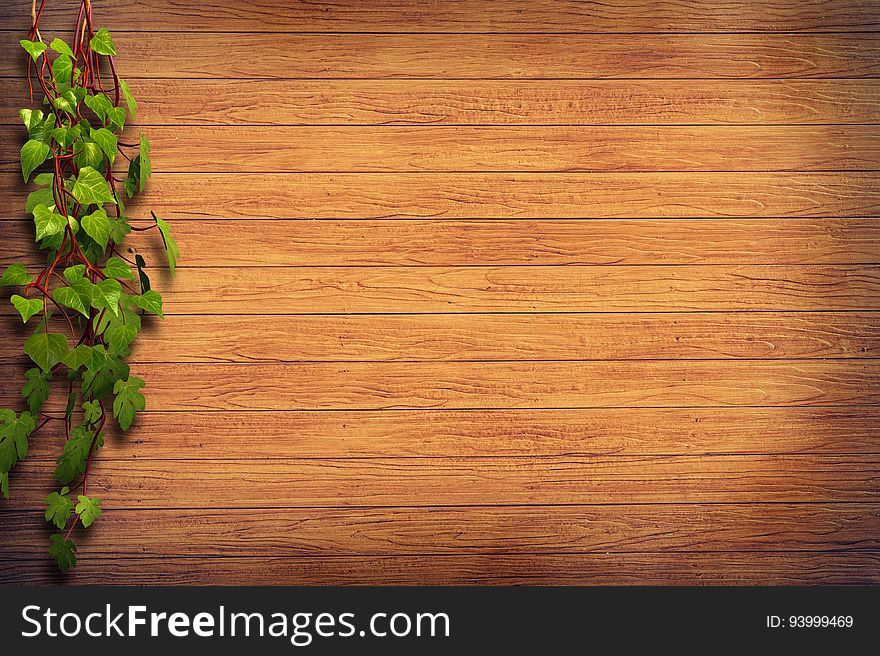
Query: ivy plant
pixel 86 305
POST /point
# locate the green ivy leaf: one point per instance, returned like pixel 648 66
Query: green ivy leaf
pixel 16 274
pixel 129 401
pixel 27 307
pixel 171 248
pixel 62 70
pixel 39 197
pixel 61 48
pixel 48 223
pixel 102 42
pixel 77 297
pixel 63 551
pixel 116 117
pixel 46 349
pixel 88 509
pixel 92 411
pixel 129 99
pixel 106 140
pixel 34 49
pixel 100 104
pixel 150 301
pixel 121 331
pixel 120 229
pixel 87 153
pixel 33 153
pixel 106 295
pixel 103 372
pixel 31 118
pixel 59 507
pixel 91 188
pixel 66 102
pixel 14 433
pixel 78 356
pixel 118 268
pixel 36 389
pixel 146 168
pixel 72 461
pixel 97 226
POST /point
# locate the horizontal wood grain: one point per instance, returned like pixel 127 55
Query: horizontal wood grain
pixel 478 289
pixel 461 242
pixel 526 288
pixel 387 385
pixel 500 149
pixel 495 195
pixel 730 568
pixel 532 16
pixel 198 435
pixel 504 102
pixel 335 338
pixel 482 56
pixel 462 481
pixel 300 532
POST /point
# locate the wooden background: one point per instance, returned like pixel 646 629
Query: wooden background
pixel 535 291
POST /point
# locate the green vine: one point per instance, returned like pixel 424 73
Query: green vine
pixel 87 303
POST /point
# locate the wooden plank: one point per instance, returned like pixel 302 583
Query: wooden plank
pixel 495 195
pixel 477 289
pixel 531 16
pixel 436 385
pixel 299 532
pixel 485 56
pixel 503 102
pixel 241 435
pixel 500 149
pixel 751 568
pixel 461 242
pixel 346 482
pixel 437 337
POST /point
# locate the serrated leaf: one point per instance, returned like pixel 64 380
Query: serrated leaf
pixel 150 301
pixel 46 349
pixel 91 188
pixel 61 47
pixel 106 140
pixel 27 307
pixel 63 551
pixel 78 356
pixel 118 268
pixel 129 98
pixel 33 153
pixel 97 226
pixel 88 509
pixel 33 48
pixel 15 274
pixel 121 331
pixel 102 42
pixel 72 461
pixel 48 222
pixel 92 412
pixel 36 389
pixel 14 433
pixel 171 248
pixel 129 401
pixel 59 507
